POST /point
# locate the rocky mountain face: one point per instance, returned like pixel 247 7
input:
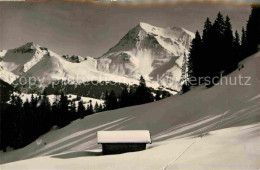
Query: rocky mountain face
pixel 159 54
pixel 154 52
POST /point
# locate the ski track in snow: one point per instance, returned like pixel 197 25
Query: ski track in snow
pixel 218 124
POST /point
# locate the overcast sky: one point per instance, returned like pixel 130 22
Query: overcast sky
pixel 89 29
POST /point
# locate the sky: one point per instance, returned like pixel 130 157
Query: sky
pixel 90 29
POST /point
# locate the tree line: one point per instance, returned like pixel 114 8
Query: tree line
pixel 130 96
pixel 219 50
pixel 23 122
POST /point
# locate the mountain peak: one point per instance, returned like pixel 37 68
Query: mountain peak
pixel 28 47
pixel 144 25
pixel 148 28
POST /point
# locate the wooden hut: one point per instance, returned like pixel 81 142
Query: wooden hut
pixel 114 142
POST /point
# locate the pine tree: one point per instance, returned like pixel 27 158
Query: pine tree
pixel 16 131
pixel 96 107
pixel 28 124
pixel 111 101
pixel 55 111
pixel 243 37
pixel 237 48
pixel 219 24
pixel 47 112
pixel 132 97
pixel 143 93
pixel 217 59
pixel 106 100
pixel 252 31
pixel 243 44
pixel 207 30
pixel 73 110
pixel 90 108
pixel 229 57
pixel 5 126
pixel 63 118
pixel 237 39
pixel 205 52
pixel 100 108
pixel 81 109
pixel 195 62
pixel 124 98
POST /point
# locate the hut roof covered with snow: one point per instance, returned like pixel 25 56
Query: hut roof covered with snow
pixel 125 136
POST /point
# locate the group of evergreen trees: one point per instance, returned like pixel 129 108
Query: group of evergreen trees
pixel 218 50
pixel 130 96
pixel 21 123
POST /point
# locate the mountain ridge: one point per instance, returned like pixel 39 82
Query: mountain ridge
pixel 142 51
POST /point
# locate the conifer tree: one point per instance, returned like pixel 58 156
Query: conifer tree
pixel 219 24
pixel 124 98
pixel 195 62
pixel 111 101
pixel 206 48
pixel 237 48
pixel 81 109
pixel 252 31
pixel 217 57
pixel 96 107
pixel 100 108
pixel 207 30
pixel 90 108
pixel 73 110
pixel 143 93
pixel 63 118
pixel 229 57
pixel 243 44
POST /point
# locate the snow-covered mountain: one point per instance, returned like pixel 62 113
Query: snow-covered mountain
pixel 145 50
pixel 150 51
pixel 32 60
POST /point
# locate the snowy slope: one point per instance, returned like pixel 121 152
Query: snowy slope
pixel 233 148
pixel 21 59
pixel 7 76
pixel 183 130
pixel 149 51
pixel 2 53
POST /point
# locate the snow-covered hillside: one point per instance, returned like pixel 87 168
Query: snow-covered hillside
pixel 154 52
pixel 7 76
pixel 145 50
pixel 215 128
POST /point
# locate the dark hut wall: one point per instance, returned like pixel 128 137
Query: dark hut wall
pixel 115 148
